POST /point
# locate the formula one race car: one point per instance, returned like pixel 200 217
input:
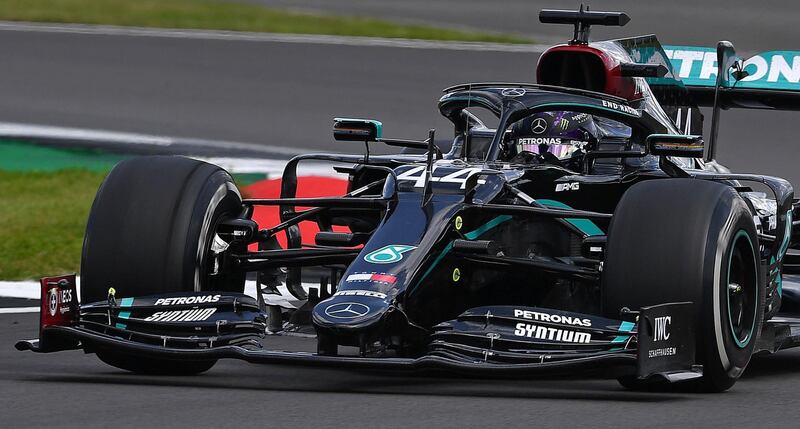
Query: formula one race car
pixel 589 230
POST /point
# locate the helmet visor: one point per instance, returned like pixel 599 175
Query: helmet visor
pixel 560 148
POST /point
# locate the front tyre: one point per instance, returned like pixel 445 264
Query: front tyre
pixel 150 231
pixel 674 240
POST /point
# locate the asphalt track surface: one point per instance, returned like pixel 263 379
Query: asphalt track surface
pixel 750 25
pixel 72 389
pixel 286 94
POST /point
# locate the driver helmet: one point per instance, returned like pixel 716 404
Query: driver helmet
pixel 563 134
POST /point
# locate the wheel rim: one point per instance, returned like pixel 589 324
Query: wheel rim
pixel 742 293
pixel 215 213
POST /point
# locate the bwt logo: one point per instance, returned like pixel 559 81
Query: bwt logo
pixel 662 328
pixel 574 186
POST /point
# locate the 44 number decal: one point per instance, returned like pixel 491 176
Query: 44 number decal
pixel 418 174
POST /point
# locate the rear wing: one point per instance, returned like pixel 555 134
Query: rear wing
pixel 720 79
pixel 768 80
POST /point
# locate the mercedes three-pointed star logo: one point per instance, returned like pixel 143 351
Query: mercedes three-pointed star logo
pixel 513 92
pixel 347 310
pixel 539 125
pixel 52 301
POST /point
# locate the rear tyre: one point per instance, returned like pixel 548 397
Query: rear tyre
pixel 676 240
pixel 150 231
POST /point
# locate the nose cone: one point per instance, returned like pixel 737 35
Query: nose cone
pixel 349 312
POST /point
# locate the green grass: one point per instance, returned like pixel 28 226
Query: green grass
pixel 45 196
pixel 218 15
pixel 43 217
pixel 19 155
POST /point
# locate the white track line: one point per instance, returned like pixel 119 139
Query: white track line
pixel 19 310
pixel 270 167
pixel 273 168
pixel 31 290
pixel 23 290
pixel 71 135
pixel 243 36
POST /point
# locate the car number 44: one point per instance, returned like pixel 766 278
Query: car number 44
pixel 459 177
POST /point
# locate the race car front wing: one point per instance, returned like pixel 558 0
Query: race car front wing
pixel 488 341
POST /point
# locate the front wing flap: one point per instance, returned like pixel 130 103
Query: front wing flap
pixel 492 341
pixel 661 338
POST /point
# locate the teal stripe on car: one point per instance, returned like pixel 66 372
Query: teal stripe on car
pixel 124 302
pixel 487 226
pixel 777 273
pixel 586 226
pixel 470 235
pixel 626 327
pixel 623 327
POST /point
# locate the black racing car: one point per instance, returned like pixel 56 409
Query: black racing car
pixel 577 224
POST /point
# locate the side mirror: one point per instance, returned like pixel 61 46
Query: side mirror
pixel 676 145
pixel 358 130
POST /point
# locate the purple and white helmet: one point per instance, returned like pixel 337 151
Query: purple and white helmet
pixel 563 134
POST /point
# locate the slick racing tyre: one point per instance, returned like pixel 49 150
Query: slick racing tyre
pixel 673 240
pixel 149 232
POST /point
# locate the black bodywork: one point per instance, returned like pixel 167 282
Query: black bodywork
pixel 473 260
